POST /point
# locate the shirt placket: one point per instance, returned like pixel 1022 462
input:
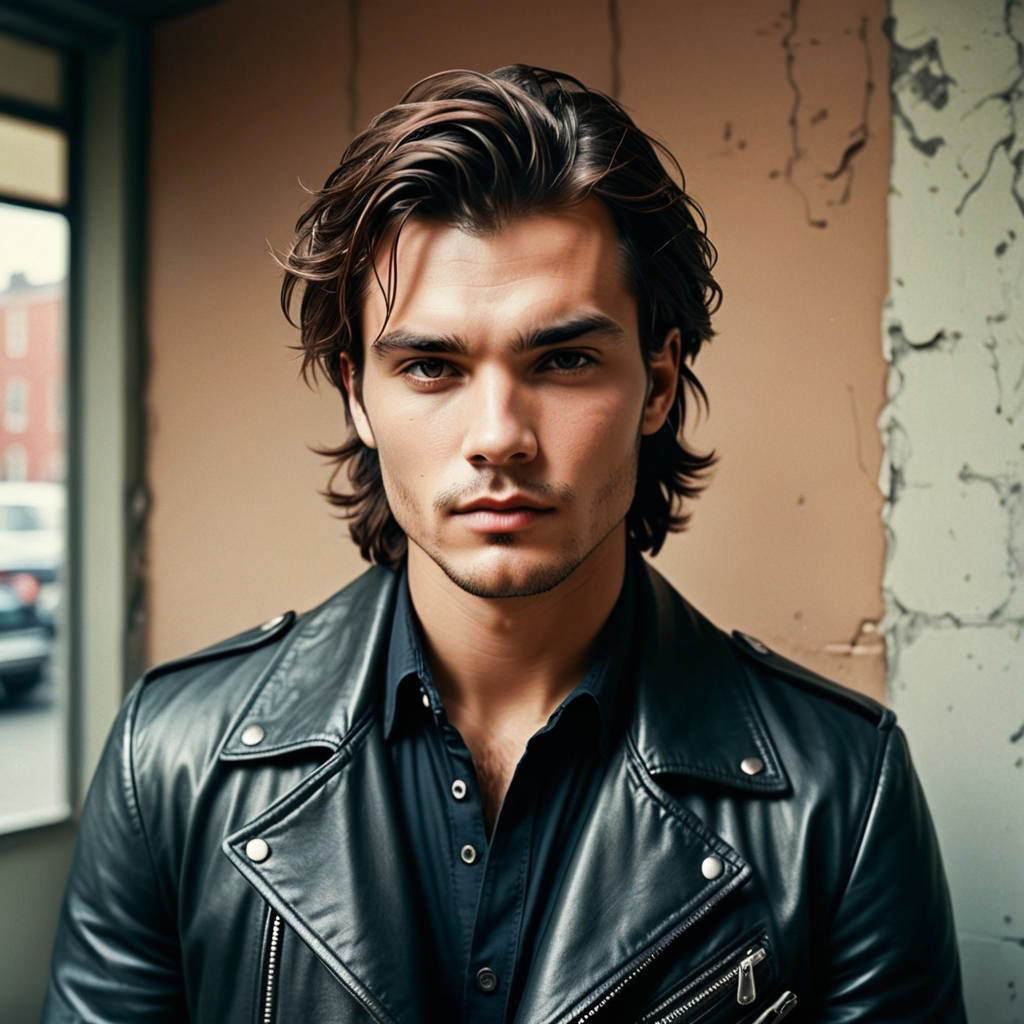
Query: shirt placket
pixel 489 878
pixel 499 910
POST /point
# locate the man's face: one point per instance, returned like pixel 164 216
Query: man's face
pixel 460 410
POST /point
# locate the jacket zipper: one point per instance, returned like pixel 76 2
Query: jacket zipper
pixel 648 960
pixel 742 973
pixel 270 970
pixel 271 964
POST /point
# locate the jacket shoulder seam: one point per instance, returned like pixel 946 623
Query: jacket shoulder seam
pixel 810 681
pixel 249 640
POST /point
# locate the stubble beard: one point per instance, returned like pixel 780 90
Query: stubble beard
pixel 616 492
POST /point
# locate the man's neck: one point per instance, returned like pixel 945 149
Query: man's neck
pixel 503 665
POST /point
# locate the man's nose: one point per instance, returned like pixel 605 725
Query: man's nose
pixel 499 425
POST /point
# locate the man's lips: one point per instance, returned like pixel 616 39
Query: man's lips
pixel 492 517
pixel 512 503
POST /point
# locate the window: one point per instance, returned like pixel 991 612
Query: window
pixel 16 468
pixel 16 332
pixel 16 405
pixel 35 235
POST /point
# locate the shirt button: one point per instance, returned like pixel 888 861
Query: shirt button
pixel 468 853
pixel 424 698
pixel 486 980
pixel 458 789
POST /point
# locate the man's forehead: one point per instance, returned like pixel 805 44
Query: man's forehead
pixel 539 265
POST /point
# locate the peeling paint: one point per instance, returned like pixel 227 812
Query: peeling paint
pixel 952 472
pixel 918 76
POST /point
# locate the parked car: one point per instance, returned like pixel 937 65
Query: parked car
pixel 32 541
pixel 26 644
pixel 31 556
pixel 31 526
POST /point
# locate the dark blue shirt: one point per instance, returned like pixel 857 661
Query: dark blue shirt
pixel 486 900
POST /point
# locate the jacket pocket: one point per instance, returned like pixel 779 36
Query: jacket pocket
pixel 270 961
pixel 735 980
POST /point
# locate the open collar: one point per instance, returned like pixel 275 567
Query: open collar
pixel 692 712
pixel 607 676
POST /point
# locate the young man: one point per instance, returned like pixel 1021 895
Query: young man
pixel 508 774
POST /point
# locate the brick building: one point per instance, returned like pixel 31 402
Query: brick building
pixel 32 342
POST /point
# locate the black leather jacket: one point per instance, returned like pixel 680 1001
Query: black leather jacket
pixel 760 840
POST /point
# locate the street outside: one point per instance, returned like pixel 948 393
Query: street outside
pixel 33 758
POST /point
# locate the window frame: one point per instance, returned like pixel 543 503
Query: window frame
pixel 104 110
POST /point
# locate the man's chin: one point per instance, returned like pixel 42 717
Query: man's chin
pixel 502 571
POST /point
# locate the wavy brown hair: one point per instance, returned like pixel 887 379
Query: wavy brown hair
pixel 473 150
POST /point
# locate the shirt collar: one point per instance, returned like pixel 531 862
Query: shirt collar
pixel 603 682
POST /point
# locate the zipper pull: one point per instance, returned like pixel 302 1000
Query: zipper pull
pixel 746 990
pixel 782 1007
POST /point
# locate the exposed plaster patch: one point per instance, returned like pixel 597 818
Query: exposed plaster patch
pixel 953 465
pixel 1010 99
pixel 1006 347
pixel 965 754
pixel 918 76
pixel 951 541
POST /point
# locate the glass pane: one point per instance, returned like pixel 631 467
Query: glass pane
pixel 33 524
pixel 33 161
pixel 29 72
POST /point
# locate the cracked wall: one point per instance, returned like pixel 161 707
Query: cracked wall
pixel 953 331
pixel 779 113
pixel 774 111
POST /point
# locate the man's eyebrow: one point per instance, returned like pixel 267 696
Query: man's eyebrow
pixel 401 338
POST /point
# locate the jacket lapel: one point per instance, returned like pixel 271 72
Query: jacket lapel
pixel 338 872
pixel 635 879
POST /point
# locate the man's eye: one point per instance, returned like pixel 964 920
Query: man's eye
pixel 431 369
pixel 568 360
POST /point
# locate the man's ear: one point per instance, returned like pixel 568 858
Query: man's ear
pixel 355 408
pixel 662 381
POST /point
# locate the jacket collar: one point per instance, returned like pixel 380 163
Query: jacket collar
pixel 694 713
pixel 693 716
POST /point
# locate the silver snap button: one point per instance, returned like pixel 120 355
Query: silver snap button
pixel 257 850
pixel 271 623
pixel 458 789
pixel 752 765
pixel 759 646
pixel 253 734
pixel 468 854
pixel 711 867
pixel 425 698
pixel 486 979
